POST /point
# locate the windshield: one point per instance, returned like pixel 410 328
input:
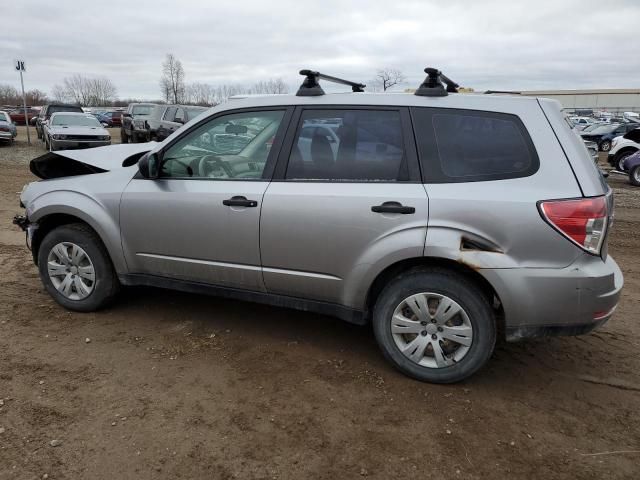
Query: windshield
pixel 602 129
pixel 3 117
pixel 75 121
pixel 591 128
pixel 194 112
pixel 142 110
pixel 63 108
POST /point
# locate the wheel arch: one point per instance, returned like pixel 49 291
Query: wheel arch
pixel 458 267
pixel 54 218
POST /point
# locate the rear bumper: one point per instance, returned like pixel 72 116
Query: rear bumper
pixel 566 301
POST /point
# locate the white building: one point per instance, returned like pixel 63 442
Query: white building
pixel 615 101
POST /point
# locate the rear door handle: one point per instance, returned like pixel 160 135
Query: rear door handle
pixel 239 201
pixel 393 207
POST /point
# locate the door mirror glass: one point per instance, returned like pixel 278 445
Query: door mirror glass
pixel 149 165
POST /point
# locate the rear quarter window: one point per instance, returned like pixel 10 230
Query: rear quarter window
pixel 471 146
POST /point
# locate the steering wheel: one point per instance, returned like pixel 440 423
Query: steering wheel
pixel 208 162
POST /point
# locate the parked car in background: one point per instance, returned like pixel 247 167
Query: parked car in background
pixel 592 148
pixel 413 223
pixel 110 119
pixel 603 135
pixel 8 130
pixel 622 147
pixel 166 119
pixel 133 122
pixel 580 123
pixel 18 115
pixel 68 130
pixel 49 110
pixel 632 165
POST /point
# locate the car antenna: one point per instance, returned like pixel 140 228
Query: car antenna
pixel 311 88
pixel 432 85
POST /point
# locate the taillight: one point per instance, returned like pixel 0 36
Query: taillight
pixel 583 220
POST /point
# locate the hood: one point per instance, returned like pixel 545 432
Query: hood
pixel 67 163
pixel 78 130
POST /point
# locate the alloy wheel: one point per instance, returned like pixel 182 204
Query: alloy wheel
pixel 432 330
pixel 71 271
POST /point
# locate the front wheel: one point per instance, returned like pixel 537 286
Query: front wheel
pixel 605 146
pixel 75 268
pixel 620 159
pixel 434 325
pixel 124 138
pixel 634 176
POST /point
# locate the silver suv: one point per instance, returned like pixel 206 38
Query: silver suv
pixel 445 220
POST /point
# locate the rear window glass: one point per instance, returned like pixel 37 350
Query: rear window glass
pixel 471 146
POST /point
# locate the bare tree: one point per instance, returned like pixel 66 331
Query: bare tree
pixel 172 80
pixel 9 95
pixel 223 92
pixel 272 85
pixel 36 97
pixel 201 94
pixel 386 78
pixel 89 92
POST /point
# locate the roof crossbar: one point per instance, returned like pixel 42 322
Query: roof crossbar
pixel 311 87
pixel 433 84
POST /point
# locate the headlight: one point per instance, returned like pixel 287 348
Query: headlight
pixel 615 140
pixel 105 137
pixel 138 124
pixel 59 137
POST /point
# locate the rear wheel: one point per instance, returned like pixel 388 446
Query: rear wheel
pixel 605 146
pixel 434 325
pixel 634 176
pixel 76 269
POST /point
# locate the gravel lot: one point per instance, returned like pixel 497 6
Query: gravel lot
pixel 177 386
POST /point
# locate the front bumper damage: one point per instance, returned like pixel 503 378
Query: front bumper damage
pixel 29 228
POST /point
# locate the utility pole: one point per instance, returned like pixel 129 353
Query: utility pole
pixel 21 68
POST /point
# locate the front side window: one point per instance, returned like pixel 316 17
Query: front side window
pixel 471 146
pixel 234 146
pixel 348 145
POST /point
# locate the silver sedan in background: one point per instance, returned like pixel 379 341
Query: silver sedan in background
pixel 67 130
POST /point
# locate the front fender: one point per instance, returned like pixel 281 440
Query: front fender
pixel 87 209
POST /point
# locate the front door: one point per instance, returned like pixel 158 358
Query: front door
pixel 200 220
pixel 346 198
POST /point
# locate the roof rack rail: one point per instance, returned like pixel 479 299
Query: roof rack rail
pixel 311 88
pixel 432 85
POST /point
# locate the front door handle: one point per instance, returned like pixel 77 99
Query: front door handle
pixel 393 207
pixel 239 201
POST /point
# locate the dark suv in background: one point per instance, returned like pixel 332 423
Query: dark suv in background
pixel 166 119
pixel 134 126
pixel 48 110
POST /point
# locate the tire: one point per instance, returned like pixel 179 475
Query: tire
pixel 605 146
pixel 84 294
pixel 620 159
pixel 460 361
pixel 38 134
pixel 123 136
pixel 634 176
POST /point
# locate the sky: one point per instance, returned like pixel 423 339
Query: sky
pixel 499 45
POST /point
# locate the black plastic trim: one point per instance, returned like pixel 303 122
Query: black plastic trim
pixel 514 334
pixel 324 308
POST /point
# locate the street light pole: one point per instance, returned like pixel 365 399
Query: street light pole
pixel 20 68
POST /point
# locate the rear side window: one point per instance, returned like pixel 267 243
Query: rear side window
pixel 472 146
pixel 348 145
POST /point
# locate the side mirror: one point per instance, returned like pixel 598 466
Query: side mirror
pixel 179 120
pixel 125 114
pixel 149 166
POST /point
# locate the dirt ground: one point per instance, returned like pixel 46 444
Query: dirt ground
pixel 177 386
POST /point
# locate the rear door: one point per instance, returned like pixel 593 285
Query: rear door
pixel 346 199
pixel 200 220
